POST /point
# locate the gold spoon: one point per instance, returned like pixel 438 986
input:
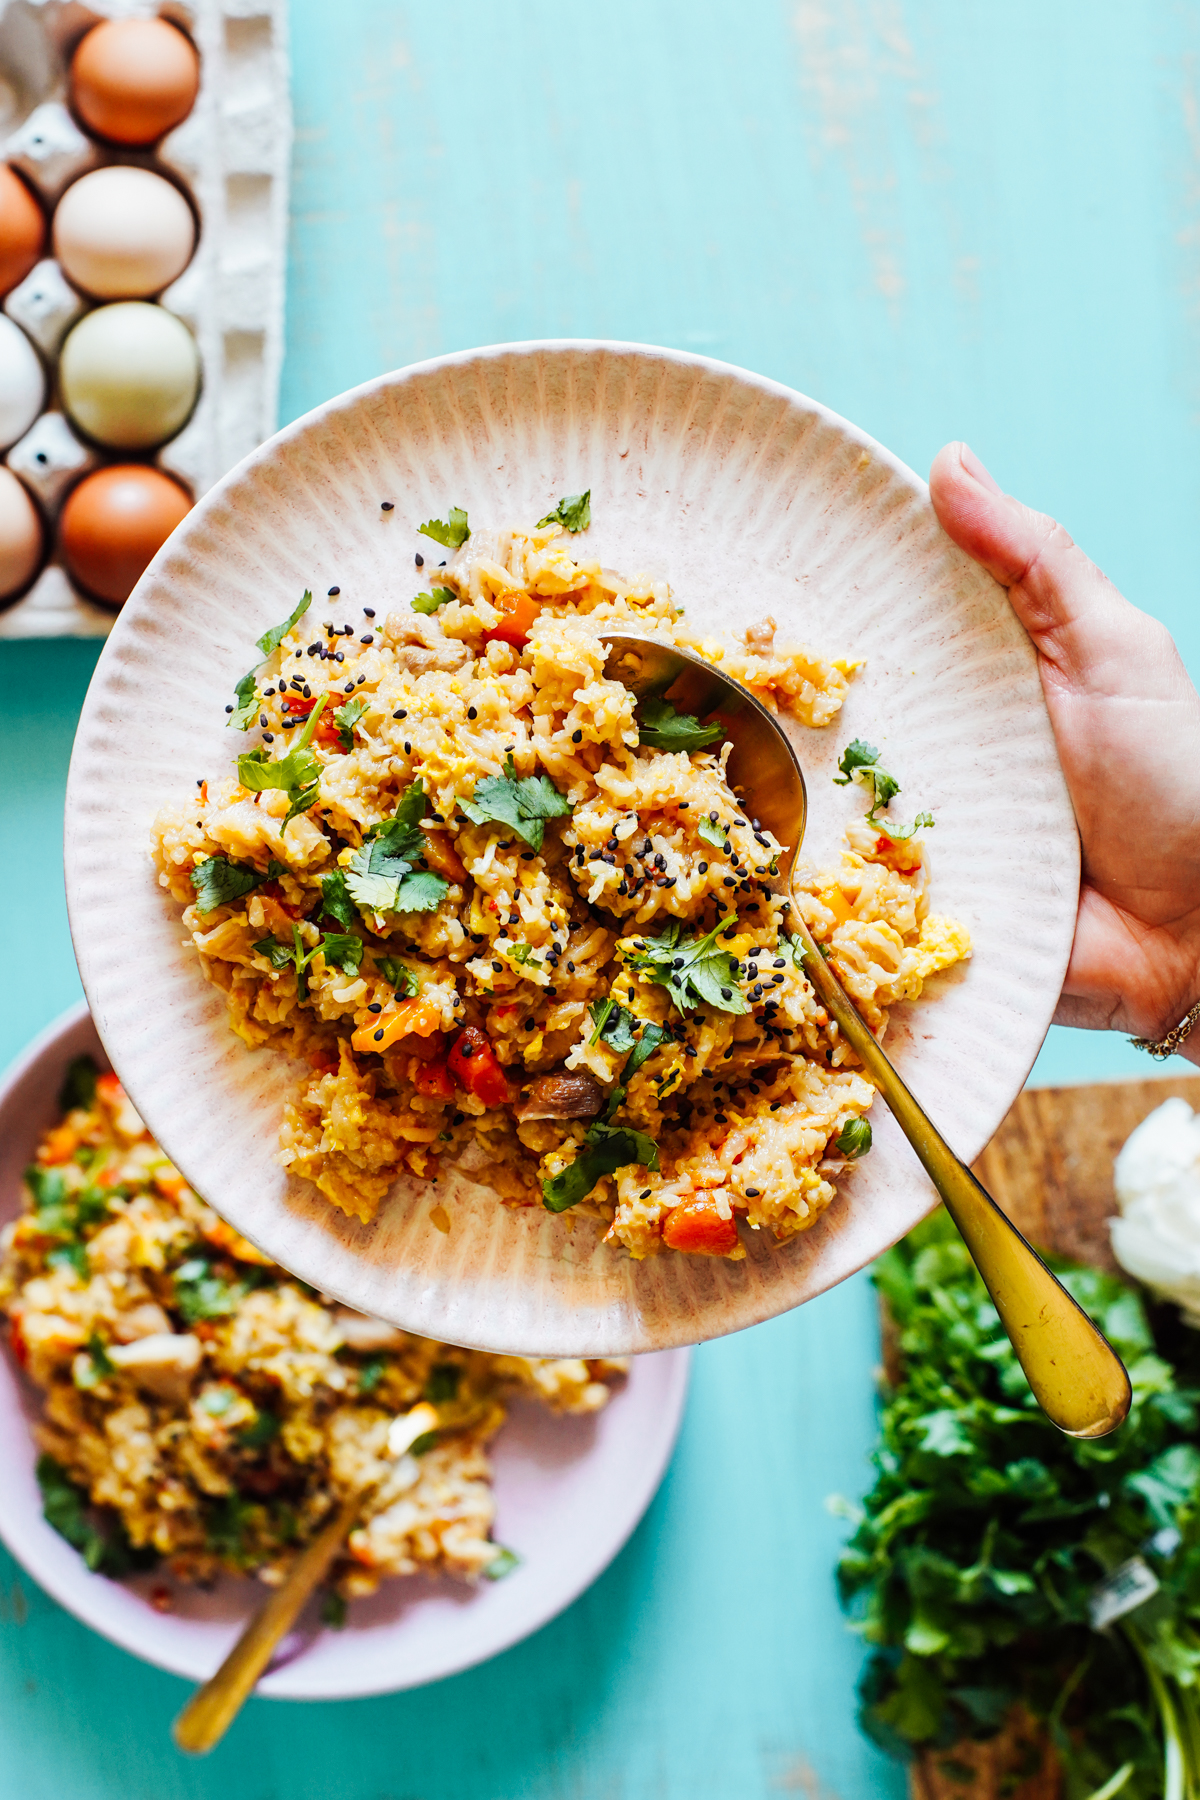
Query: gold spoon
pixel 213 1708
pixel 1078 1379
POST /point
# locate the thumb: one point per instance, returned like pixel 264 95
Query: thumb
pixel 1064 602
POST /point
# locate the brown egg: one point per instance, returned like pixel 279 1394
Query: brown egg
pixel 22 229
pixel 114 522
pixel 133 79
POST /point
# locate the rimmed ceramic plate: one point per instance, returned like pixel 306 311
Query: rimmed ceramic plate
pixel 568 1494
pixel 753 500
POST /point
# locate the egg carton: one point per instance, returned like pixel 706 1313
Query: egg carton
pixel 232 153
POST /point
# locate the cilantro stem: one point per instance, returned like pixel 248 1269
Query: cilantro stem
pixel 310 725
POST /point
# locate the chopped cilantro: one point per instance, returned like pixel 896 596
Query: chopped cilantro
pixel 218 881
pixel 271 640
pixel 614 1024
pixel 298 773
pixel 261 1432
pixel 399 975
pixel 453 531
pixel 246 710
pixel 429 603
pixel 714 833
pixel 105 1548
pixel 608 1147
pixel 574 511
pixel 70 1256
pixel 523 805
pixel 226 1525
pixel 442 1384
pixel 335 900
pixel 662 728
pixel 522 954
pixel 854 1139
pixel 199 1294
pixel 346 718
pixel 425 1442
pixel 693 971
pixel 346 950
pixel 860 762
pixel 79 1084
pixel 371 1374
pixel 382 876
pixel 652 1036
pixel 502 1564
pixel 333 1610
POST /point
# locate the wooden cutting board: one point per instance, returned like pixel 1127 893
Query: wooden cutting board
pixel 1050 1167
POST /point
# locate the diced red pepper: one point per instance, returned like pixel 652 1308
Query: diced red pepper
pixel 328 733
pixel 475 1066
pixel 520 612
pixel 434 1080
pixel 696 1227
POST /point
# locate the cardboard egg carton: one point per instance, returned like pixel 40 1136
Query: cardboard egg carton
pixel 232 153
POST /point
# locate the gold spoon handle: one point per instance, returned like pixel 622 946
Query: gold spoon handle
pixel 213 1708
pixel 1076 1376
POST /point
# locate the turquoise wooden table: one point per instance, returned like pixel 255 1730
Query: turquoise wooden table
pixel 941 217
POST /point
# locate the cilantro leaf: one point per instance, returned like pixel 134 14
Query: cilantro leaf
pixel 199 1294
pixel 854 1139
pixel 335 900
pixel 371 1373
pixel 713 832
pixel 218 881
pixel 860 762
pixel 614 1024
pixel 443 1384
pixel 298 774
pixel 399 975
pixel 271 640
pixel 422 891
pixel 502 1564
pixel 346 718
pixel 245 712
pixel 429 603
pixel 652 1036
pixel 609 1147
pixel 260 1432
pixel 79 1084
pixel 693 971
pixel 662 728
pixel 523 805
pixel 344 950
pixel 70 1256
pixel 573 510
pixel 104 1546
pixel 857 755
pixel 453 532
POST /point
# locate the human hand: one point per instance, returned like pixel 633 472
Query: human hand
pixel 1126 719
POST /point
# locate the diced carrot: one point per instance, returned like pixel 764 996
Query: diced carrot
pixel 520 611
pixel 234 1244
pixel 58 1146
pixel 170 1186
pixel 696 1227
pixel 381 1030
pixel 110 1090
pixel 441 855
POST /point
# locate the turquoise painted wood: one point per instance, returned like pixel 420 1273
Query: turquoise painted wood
pixel 942 218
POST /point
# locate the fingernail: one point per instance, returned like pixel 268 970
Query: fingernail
pixel 976 470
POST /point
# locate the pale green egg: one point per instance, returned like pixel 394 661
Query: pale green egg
pixel 129 375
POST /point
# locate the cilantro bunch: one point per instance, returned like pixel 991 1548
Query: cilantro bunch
pixel 978 1553
pixel 383 875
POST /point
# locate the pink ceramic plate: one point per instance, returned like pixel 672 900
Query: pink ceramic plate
pixel 568 1493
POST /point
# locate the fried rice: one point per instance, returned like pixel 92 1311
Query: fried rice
pixel 204 1411
pixel 458 878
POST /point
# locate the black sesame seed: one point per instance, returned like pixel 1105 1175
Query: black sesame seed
pixel 528 855
pixel 339 656
pixel 472 712
pixel 571 968
pixel 268 738
pixel 349 688
pixel 499 967
pixel 729 881
pixel 229 709
pixel 370 611
pixel 378 1036
pixel 368 639
pixel 702 868
pixel 407 748
pixel 420 560
pixel 333 591
pixel 577 737
pixel 402 714
pixel 262 719
pixel 752 1193
pixel 726 993
pixel 387 506
pixel 712 818
pixel 529 1024
pixel 552 992
pixel 374 1007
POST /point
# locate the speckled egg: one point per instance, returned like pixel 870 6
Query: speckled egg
pixel 22 229
pixel 129 375
pixel 123 233
pixel 134 79
pixel 21 541
pixel 22 383
pixel 114 522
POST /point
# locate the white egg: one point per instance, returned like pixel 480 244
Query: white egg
pixel 123 233
pixel 22 383
pixel 20 536
pixel 129 375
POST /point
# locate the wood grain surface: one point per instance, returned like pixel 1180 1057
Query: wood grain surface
pixel 1050 1167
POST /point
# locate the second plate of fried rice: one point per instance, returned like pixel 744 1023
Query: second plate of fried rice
pixel 504 1035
